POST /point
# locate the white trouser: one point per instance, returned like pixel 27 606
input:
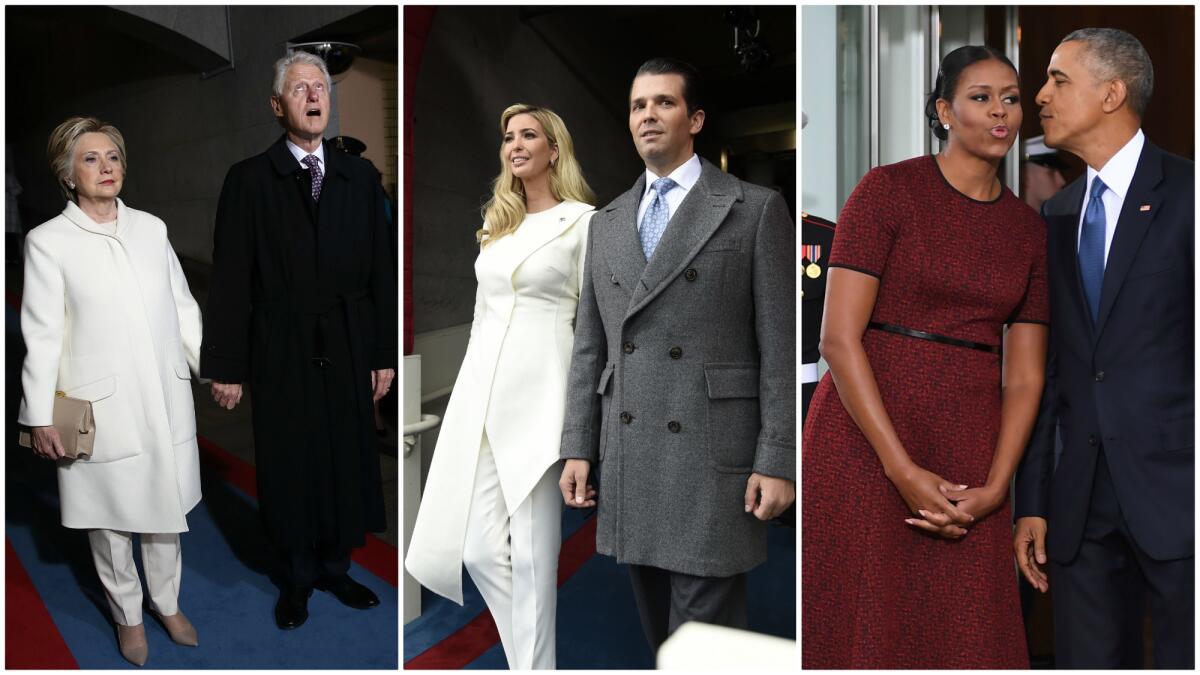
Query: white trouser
pixel 514 561
pixel 112 552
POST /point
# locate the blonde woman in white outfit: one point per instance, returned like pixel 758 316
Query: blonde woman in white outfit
pixel 107 316
pixel 491 501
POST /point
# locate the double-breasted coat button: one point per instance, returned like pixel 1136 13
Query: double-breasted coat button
pixel 1100 376
pixel 673 426
pixel 1091 439
pixel 628 347
pixel 626 418
pixel 676 353
pixel 690 274
pixel 614 280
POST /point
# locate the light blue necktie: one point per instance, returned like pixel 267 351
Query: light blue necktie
pixel 654 222
pixel 1091 248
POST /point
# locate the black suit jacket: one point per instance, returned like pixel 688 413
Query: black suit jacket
pixel 1125 384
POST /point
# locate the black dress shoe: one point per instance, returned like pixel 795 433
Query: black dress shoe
pixel 348 591
pixel 291 611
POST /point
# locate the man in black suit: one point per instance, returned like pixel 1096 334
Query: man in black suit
pixel 302 306
pixel 1115 517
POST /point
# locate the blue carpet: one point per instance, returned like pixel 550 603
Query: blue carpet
pixel 225 588
pixel 597 624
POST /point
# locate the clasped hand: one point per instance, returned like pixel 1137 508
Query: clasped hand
pixel 228 395
pixel 766 496
pixel 941 507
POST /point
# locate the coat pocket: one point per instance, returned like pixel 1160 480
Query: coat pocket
pixel 1178 435
pixel 1150 267
pixel 182 410
pixel 605 376
pixel 605 401
pixel 116 433
pixel 604 426
pixel 733 415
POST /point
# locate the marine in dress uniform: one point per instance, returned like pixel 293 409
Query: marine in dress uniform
pixel 816 237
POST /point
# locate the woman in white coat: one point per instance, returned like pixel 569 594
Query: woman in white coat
pixel 491 500
pixel 107 317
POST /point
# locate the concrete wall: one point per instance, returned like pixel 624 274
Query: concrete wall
pixel 182 132
pixel 478 61
pixel 367 94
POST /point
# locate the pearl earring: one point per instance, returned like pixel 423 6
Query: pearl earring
pixel 70 185
pixel 946 126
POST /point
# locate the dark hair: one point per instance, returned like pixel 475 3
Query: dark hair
pixel 953 64
pixel 693 86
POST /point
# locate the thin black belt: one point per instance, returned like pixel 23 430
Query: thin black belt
pixel 933 337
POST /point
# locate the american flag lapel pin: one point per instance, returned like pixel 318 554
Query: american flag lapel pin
pixel 1144 207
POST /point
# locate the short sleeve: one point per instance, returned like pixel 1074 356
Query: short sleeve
pixel 865 229
pixel 1035 306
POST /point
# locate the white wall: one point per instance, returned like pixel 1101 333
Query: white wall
pixel 902 89
pixel 818 99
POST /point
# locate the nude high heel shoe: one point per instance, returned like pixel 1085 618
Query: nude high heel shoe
pixel 179 628
pixel 132 641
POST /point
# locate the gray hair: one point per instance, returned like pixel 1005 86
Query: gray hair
pixel 294 59
pixel 1113 54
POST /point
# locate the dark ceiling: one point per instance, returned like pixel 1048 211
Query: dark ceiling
pixel 701 35
pixel 89 49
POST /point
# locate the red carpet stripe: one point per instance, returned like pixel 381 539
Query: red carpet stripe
pixel 459 648
pixel 378 557
pixel 576 550
pixel 232 469
pixel 31 639
pixel 479 635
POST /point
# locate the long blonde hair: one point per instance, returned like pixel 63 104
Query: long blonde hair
pixel 503 213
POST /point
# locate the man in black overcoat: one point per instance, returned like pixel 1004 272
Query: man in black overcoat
pixel 302 308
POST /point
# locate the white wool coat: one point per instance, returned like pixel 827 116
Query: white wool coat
pixel 108 317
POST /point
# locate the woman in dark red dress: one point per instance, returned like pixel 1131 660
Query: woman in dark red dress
pixel 935 332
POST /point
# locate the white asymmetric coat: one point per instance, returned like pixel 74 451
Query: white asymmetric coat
pixel 512 383
pixel 108 317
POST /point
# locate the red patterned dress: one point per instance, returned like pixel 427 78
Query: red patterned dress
pixel 878 593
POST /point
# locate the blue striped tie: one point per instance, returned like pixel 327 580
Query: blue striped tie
pixel 1091 248
pixel 654 222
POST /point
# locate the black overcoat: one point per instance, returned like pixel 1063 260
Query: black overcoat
pixel 302 307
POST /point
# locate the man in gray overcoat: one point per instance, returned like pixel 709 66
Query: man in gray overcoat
pixel 682 390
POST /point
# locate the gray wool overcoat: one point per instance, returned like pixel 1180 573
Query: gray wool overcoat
pixel 683 375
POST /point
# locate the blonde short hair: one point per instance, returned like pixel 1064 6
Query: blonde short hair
pixel 61 149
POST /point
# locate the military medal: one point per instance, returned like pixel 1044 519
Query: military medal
pixel 812 253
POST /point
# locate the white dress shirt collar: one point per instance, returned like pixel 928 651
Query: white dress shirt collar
pixel 685 175
pixel 300 153
pixel 1117 173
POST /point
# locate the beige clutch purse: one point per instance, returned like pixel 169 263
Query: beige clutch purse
pixel 75 425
